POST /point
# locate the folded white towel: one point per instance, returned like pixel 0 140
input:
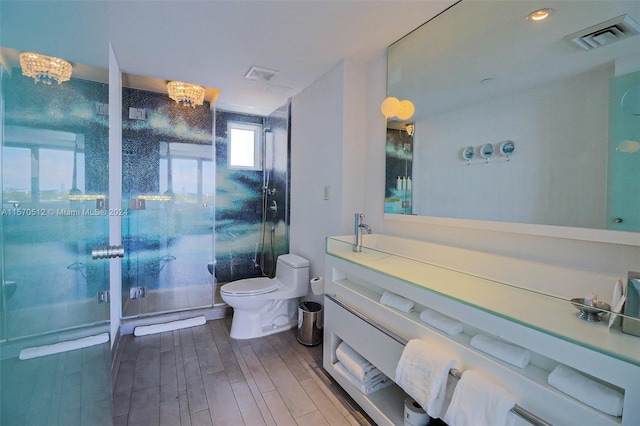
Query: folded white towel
pixel 356 364
pixel 477 401
pixel 395 301
pixel 366 388
pixel 441 322
pixel 422 372
pixel 586 390
pixel 512 354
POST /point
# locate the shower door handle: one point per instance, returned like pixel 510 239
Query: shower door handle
pixel 107 252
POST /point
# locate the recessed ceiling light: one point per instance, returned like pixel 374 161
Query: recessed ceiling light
pixel 539 15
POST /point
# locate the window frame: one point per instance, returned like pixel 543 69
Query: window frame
pixel 257 144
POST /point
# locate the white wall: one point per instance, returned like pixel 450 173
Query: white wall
pixel 557 175
pixel 328 149
pixel 354 147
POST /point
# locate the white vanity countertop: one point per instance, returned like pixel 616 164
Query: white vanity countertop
pixel 549 314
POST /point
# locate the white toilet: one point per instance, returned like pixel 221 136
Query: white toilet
pixel 263 306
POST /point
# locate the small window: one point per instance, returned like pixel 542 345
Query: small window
pixel 245 148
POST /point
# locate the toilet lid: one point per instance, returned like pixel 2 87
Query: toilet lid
pixel 249 287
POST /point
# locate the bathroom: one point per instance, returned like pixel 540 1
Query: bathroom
pixel 169 240
pixel 353 161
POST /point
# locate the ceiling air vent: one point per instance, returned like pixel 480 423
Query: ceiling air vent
pixel 605 33
pixel 260 74
pixel 279 90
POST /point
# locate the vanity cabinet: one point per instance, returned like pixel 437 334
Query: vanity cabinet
pixel 544 323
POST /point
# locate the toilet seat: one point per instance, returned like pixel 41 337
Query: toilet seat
pixel 249 287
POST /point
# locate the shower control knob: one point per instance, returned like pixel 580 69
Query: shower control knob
pixel 617 220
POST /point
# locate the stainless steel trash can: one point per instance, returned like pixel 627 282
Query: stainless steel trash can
pixel 310 323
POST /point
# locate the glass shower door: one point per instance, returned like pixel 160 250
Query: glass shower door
pixel 50 225
pixel 168 230
pixel 168 191
pixel 53 292
pixel 54 298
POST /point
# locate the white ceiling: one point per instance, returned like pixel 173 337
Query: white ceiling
pixel 515 55
pixel 213 43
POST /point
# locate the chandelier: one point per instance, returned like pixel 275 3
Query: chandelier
pixel 186 94
pixel 45 69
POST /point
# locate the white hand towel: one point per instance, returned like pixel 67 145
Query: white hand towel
pixel 441 322
pixel 477 401
pixel 366 388
pixel 355 363
pixel 395 301
pixel 512 354
pixel 587 390
pixel 422 372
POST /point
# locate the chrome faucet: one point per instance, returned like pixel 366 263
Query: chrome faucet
pixel 359 225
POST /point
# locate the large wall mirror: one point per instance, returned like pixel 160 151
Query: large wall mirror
pixel 520 120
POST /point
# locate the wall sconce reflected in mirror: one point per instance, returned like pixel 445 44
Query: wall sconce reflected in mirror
pixel 628 147
pixel 393 107
pixel 406 110
pixel 390 107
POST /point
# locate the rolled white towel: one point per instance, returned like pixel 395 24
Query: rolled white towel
pixel 366 388
pixel 587 390
pixel 441 322
pixel 395 301
pixel 514 355
pixel 356 364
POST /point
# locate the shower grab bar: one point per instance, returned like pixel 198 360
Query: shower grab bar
pixel 457 374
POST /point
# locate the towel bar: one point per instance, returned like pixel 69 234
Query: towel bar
pixel 519 411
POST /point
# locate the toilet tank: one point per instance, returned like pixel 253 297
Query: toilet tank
pixel 293 271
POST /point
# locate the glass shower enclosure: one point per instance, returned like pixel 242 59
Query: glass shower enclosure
pixel 168 194
pixel 54 178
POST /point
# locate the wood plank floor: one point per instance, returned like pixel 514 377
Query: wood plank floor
pixel 200 376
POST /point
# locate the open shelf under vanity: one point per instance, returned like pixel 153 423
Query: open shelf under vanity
pixel 354 314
